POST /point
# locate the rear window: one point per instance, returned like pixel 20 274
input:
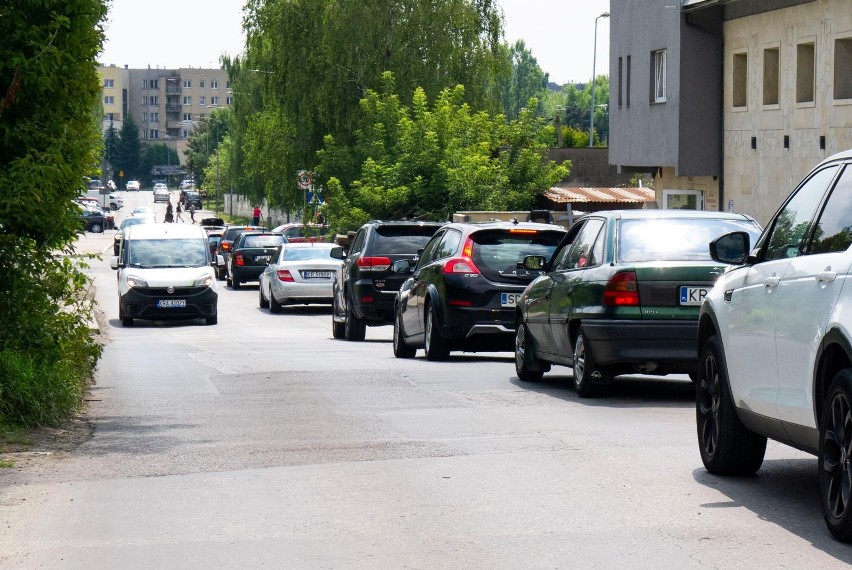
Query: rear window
pixel 502 250
pixel 263 241
pixel 305 254
pixel 675 240
pixel 401 239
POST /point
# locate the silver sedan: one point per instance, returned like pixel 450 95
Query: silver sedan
pixel 301 273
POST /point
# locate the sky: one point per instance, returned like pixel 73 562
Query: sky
pixel 195 33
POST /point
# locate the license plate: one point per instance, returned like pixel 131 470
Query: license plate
pixel 262 258
pixel 509 299
pixel 171 303
pixel 692 295
pixel 316 274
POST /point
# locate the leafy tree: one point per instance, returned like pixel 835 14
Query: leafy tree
pixel 204 140
pixel 129 150
pixel 110 146
pixel 217 174
pixel 154 154
pixel 527 81
pixel 49 139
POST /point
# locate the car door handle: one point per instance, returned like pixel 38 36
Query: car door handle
pixel 826 276
pixel 771 282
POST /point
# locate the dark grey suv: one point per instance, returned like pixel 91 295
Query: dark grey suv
pixel 365 286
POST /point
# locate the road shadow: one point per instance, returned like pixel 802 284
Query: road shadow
pixel 171 323
pixel 784 492
pixel 301 310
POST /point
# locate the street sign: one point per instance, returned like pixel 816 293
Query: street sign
pixel 305 179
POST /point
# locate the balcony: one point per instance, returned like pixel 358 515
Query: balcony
pixel 174 107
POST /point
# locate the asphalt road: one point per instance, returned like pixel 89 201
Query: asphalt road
pixel 263 442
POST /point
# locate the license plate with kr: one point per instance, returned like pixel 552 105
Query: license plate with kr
pixel 171 303
pixel 316 274
pixel 692 295
pixel 262 258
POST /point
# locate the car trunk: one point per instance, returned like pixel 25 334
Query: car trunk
pixel 674 291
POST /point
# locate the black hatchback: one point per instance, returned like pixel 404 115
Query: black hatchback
pixel 463 291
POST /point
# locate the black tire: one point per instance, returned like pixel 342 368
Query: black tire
pixel 114 250
pixel 338 330
pixel 527 366
pixel 436 347
pixel 212 320
pixel 727 446
pixel 262 301
pixel 96 228
pixel 274 306
pixel 227 278
pixel 235 283
pixel 219 273
pixel 589 378
pixel 355 329
pixel 400 349
pixel 126 321
pixel 835 463
pixel 113 207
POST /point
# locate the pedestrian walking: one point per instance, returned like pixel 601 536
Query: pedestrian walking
pixel 192 212
pixel 179 211
pixel 169 213
pixel 255 216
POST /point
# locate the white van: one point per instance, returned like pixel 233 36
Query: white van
pixel 110 201
pixel 164 273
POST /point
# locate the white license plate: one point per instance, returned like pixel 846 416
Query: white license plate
pixel 316 274
pixel 692 295
pixel 262 258
pixel 509 299
pixel 171 303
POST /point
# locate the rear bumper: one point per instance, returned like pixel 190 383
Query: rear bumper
pixel 301 292
pixel 247 272
pixel 625 341
pixel 379 311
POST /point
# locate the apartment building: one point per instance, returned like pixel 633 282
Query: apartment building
pixel 164 103
pixel 728 103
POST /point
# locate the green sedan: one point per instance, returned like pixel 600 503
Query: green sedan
pixel 621 295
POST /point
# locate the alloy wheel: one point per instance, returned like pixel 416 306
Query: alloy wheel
pixel 709 401
pixel 837 456
pixel 520 347
pixel 579 360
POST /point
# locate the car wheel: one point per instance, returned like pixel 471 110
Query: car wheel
pixel 527 366
pixel 400 349
pixel 96 228
pixel 220 275
pixel 113 207
pixel 588 377
pixel 727 446
pixel 262 301
pixel 274 306
pixel 338 330
pixel 227 278
pixel 125 321
pixel 436 347
pixel 355 329
pixel 115 250
pixel 835 460
pixel 235 283
pixel 212 320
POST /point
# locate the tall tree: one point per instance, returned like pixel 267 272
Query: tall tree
pixel 204 139
pixel 526 82
pixel 110 146
pixel 155 154
pixel 129 149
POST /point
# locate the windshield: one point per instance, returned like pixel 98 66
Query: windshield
pixel 675 240
pixel 150 253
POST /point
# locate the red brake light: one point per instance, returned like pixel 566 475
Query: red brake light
pixel 225 246
pixel 622 290
pixel 463 264
pixel 284 275
pixel 238 259
pixel 374 263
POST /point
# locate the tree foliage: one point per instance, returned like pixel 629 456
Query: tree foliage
pixel 204 140
pixel 527 81
pixel 128 151
pixel 155 154
pixel 427 161
pixel 49 139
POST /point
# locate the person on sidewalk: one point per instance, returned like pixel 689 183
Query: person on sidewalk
pixel 169 213
pixel 179 211
pixel 192 212
pixel 255 216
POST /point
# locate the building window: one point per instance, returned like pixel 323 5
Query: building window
pixel 187 116
pixel 110 117
pixel 228 84
pixel 154 100
pixel 109 100
pixel 202 100
pixel 214 101
pixel 155 118
pixel 229 100
pixel 144 84
pixel 109 83
pixel 153 134
pixel 620 86
pixel 740 86
pixel 201 83
pixel 805 72
pixel 187 83
pixel 150 84
pixel 683 200
pixel 843 68
pixel 144 117
pixel 214 84
pixel 771 63
pixel 187 100
pixel 185 133
pixel 659 59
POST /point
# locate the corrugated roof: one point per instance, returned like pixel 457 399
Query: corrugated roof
pixel 578 195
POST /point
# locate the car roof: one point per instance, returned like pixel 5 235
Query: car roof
pixel 403 223
pixel 308 245
pixel 669 214
pixel 165 231
pixel 500 225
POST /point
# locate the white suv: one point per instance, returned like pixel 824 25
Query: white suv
pixel 775 342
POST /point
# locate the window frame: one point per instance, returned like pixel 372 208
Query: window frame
pixel 659 76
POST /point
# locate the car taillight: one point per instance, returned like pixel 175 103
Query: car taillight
pixel 224 246
pixel 374 263
pixel 622 290
pixel 464 263
pixel 238 259
pixel 284 275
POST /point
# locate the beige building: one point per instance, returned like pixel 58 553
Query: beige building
pixel 164 103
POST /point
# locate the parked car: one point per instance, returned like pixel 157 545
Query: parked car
pixel 251 253
pixel 301 233
pixel 126 223
pixel 132 186
pixel 463 290
pixel 223 250
pixel 621 295
pixel 164 273
pixel 92 219
pixel 365 287
pixel 298 273
pixel 161 194
pixel 775 342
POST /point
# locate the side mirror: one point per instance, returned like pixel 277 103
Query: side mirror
pixel 337 252
pixel 534 262
pixel 730 248
pixel 113 263
pixel 401 266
